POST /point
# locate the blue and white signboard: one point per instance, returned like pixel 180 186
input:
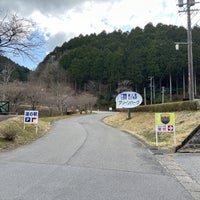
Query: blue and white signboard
pixel 128 100
pixel 30 117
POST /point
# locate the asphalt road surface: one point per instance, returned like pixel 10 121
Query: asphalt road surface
pixel 83 159
pixel 190 162
pixel 4 117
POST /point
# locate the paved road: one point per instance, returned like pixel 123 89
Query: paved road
pixel 190 162
pixel 83 159
pixel 4 117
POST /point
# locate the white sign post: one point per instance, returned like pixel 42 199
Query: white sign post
pixel 31 117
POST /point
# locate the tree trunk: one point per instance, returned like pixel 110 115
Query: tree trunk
pixel 183 85
pixel 176 86
pixel 145 96
pixel 75 86
pixel 170 87
pixel 154 91
pixel 195 83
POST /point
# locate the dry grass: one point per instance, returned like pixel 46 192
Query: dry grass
pixel 23 136
pixel 142 125
pixel 27 135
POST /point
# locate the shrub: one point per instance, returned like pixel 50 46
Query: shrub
pixel 9 132
pixel 168 107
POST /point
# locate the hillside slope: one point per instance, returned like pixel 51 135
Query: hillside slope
pixel 15 71
pixel 142 125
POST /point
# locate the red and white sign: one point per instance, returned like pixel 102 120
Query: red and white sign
pixel 165 123
pixel 170 128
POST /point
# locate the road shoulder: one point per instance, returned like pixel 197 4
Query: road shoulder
pixel 181 175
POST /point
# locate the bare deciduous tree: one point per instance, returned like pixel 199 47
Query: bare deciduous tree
pixel 15 93
pixel 125 85
pixel 18 36
pixel 33 93
pixel 6 74
pixel 84 102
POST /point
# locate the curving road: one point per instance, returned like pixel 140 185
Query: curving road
pixel 5 117
pixel 83 159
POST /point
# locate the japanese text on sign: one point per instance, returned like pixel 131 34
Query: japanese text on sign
pixel 165 123
pixel 128 100
pixel 31 117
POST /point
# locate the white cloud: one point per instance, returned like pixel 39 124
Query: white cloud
pixel 93 16
pixel 60 20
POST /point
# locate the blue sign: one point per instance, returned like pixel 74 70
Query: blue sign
pixel 27 119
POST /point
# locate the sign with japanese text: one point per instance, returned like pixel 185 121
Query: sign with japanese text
pixel 30 117
pixel 128 100
pixel 164 122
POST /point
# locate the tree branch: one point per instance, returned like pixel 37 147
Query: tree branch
pixel 17 36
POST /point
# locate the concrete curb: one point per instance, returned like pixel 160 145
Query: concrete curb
pixel 184 178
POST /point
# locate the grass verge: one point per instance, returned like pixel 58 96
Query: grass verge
pixel 142 125
pixel 27 135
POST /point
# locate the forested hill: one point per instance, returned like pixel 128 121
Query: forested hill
pixel 12 71
pixel 142 57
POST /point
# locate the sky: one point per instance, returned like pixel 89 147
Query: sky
pixel 61 20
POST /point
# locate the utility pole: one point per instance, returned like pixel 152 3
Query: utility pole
pixel 188 5
pixel 190 55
